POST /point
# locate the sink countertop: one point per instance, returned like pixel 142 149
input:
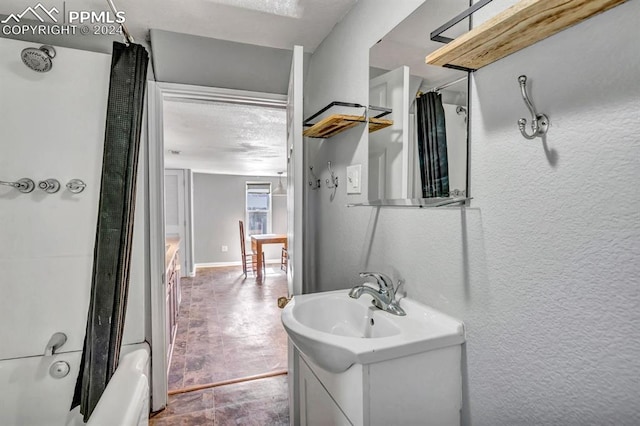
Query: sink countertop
pixel 172 244
pixel 422 329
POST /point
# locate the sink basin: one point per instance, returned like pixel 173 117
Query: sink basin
pixel 343 316
pixel 336 331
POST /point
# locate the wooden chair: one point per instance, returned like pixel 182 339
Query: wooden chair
pixel 248 256
pixel 284 259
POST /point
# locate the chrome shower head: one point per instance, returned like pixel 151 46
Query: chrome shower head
pixel 38 59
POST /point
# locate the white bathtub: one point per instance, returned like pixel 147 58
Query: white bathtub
pixel 30 396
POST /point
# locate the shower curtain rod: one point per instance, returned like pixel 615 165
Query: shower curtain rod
pixel 126 33
pixel 451 83
pixel 438 88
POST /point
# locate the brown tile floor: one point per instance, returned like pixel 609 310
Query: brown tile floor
pixel 229 327
pixel 258 402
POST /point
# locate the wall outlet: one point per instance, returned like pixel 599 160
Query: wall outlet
pixel 354 177
pixel 225 249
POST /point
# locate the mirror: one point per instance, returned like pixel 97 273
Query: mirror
pixel 423 155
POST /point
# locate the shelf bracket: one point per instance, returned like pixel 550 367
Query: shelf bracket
pixel 436 34
pixel 383 111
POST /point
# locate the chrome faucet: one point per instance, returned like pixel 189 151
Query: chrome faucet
pixel 55 342
pixel 384 297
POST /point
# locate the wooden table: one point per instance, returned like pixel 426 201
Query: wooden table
pixel 258 240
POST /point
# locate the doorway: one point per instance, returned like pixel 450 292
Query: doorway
pixel 160 93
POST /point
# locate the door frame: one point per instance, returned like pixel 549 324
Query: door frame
pixel 396 78
pixel 295 174
pixel 158 93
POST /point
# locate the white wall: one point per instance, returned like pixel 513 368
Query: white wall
pixel 339 71
pixel 218 204
pixel 204 61
pixel 53 127
pixel 563 260
pixel 543 269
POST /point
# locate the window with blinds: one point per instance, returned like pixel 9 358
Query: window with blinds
pixel 258 208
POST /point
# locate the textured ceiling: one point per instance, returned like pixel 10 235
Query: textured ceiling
pixel 225 138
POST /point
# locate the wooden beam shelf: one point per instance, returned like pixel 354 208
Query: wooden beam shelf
pixel 337 123
pixel 376 124
pixel 519 26
pixel 332 125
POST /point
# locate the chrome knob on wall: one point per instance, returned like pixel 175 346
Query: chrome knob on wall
pixel 24 185
pixel 50 185
pixel 59 369
pixel 76 186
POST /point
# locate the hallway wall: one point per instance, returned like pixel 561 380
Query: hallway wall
pixel 204 61
pixel 218 205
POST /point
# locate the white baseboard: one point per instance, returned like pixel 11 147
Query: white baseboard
pixel 222 264
pixel 217 264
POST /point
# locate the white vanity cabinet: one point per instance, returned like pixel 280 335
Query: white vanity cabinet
pixel 317 407
pixel 420 389
pixel 353 363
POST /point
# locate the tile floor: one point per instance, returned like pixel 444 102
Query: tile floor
pixel 229 327
pixel 258 402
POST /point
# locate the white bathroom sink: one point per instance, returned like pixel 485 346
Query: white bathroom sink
pixel 336 331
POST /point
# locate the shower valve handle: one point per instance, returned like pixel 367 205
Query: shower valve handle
pixel 24 185
pixel 50 185
pixel 76 186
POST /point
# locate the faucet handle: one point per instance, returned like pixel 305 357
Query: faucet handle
pixel 384 281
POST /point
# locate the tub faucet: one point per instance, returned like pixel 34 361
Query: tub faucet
pixel 55 342
pixel 384 297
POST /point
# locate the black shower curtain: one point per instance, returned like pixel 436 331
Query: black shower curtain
pixel 114 232
pixel 432 146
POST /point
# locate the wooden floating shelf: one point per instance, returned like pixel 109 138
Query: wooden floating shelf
pixel 519 26
pixel 376 124
pixel 332 125
pixel 337 123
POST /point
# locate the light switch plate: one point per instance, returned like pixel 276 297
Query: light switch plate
pixel 354 178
